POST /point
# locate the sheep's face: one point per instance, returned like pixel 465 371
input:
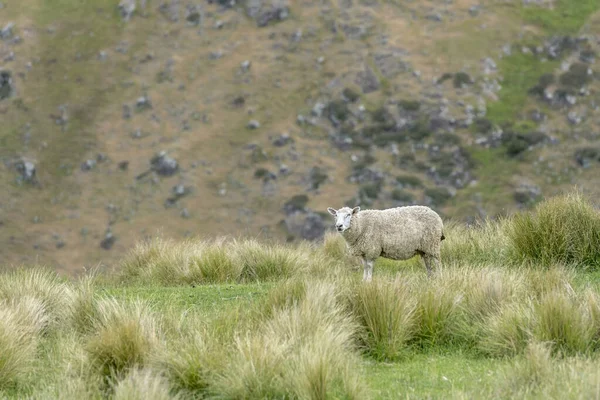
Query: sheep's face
pixel 343 216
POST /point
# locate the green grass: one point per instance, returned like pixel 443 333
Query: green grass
pixel 522 71
pixel 487 324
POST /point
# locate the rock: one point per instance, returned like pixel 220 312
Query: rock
pixel 435 16
pixel 193 14
pixel 143 103
pixel 295 204
pixel 245 66
pixel 474 10
pixel 258 155
pixel 178 192
pixel 126 9
pixel 391 64
pixel 489 66
pixel 108 241
pixel 437 196
pixel 365 175
pixel 26 170
pixel 170 10
pixel 6 85
pixel 123 165
pixel 126 111
pixel 367 80
pixel 308 226
pixel 317 110
pixel 185 213
pixel 586 156
pixel 587 56
pixel 164 165
pixel 317 177
pixel 267 11
pixel 253 124
pixel 88 165
pixel 574 118
pixel 282 140
pixel 527 194
pixel 7 31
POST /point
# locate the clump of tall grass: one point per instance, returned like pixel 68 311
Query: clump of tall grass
pixel 386 312
pixel 143 384
pixel 563 230
pixel 482 243
pixel 302 351
pixel 562 321
pixel 125 335
pixel 165 262
pixel 21 322
pixel 506 332
pixel 54 293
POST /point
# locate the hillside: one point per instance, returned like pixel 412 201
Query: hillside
pixel 270 111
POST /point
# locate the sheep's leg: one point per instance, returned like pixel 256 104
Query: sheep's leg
pixel 365 267
pixel 431 263
pixel 369 270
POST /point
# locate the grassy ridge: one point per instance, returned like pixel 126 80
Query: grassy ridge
pixel 517 318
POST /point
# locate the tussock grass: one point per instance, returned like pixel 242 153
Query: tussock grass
pixel 21 322
pixel 483 243
pixel 560 230
pixel 507 332
pixel 54 293
pixel 303 351
pixel 562 321
pixel 164 262
pixel 386 311
pixel 143 384
pixel 124 336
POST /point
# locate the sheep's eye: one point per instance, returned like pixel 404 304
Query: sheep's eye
pixel 347 216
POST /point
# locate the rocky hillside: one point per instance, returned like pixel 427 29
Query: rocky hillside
pixel 125 120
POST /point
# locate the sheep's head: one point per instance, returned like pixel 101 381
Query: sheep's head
pixel 343 216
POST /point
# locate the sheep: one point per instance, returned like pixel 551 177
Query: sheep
pixel 396 233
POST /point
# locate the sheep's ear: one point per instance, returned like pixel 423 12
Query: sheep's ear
pixel 332 211
pixel 355 210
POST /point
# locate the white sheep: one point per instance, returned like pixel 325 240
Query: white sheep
pixel 396 233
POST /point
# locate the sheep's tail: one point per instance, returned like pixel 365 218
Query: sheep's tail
pixel 443 236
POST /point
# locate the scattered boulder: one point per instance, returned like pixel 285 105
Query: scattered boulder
pixel 7 31
pixel 461 79
pixel 296 204
pixel 193 14
pixel 437 196
pixel 367 80
pixel 266 11
pixel 526 195
pixel 27 171
pixel 126 9
pixel 317 177
pixel 586 156
pixel 402 196
pixel 170 10
pixel 245 66
pixel 143 103
pixel 126 111
pixel 578 75
pixel 253 124
pixel 123 165
pixel 108 241
pixel 161 164
pixel 282 140
pixel 178 191
pixel 308 226
pixel 88 165
pixel 6 85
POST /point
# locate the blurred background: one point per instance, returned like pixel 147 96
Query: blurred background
pixel 126 120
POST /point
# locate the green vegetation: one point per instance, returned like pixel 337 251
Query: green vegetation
pixel 505 317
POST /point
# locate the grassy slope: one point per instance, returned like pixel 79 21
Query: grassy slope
pixel 63 41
